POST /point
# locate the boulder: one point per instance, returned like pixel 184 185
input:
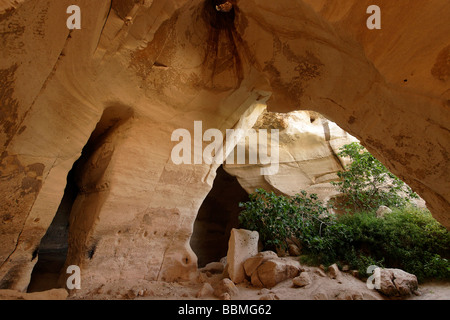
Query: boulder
pixel 161 73
pixel 225 296
pixel 396 282
pixel 205 291
pixel 302 280
pixel 273 271
pixel 242 245
pixel 224 287
pixel 294 250
pixel 350 295
pixel 319 272
pixel 270 296
pixel 355 273
pixel 256 282
pixel 251 264
pixel 382 210
pixel 321 295
pixel 333 271
pixel 213 267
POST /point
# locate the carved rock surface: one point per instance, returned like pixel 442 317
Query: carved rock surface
pixel 121 86
pixel 308 155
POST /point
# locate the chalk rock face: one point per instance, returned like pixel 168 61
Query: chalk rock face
pixel 243 244
pixel 308 155
pixel 112 93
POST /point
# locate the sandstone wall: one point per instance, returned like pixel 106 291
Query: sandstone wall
pixel 308 155
pixel 174 62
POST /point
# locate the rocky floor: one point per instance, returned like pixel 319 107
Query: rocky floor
pixel 322 287
pixel 336 285
pixel 347 287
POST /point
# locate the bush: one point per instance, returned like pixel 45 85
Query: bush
pixel 408 238
pixel 279 219
pixel 367 184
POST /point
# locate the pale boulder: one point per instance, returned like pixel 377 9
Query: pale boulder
pixel 321 295
pixel 270 296
pixel 213 267
pixel 302 280
pixel 225 287
pixel 162 66
pixel 273 271
pixel 396 282
pixel 251 264
pixel 333 271
pixel 242 245
pixel 256 282
pixel 294 250
pixel 205 291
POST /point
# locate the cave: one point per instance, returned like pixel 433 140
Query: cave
pixel 52 252
pixel 216 217
pixel 177 62
pixel 218 19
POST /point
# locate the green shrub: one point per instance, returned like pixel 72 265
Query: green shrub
pixel 367 184
pixel 279 218
pixel 408 238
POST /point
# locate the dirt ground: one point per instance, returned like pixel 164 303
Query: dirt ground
pixel 345 287
pixel 433 290
pixel 322 287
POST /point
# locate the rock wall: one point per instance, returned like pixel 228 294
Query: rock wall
pixel 174 62
pixel 308 155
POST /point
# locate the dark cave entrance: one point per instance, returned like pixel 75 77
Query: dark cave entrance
pixel 53 249
pixel 216 217
pixel 219 20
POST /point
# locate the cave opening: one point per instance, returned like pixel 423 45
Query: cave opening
pixel 220 14
pixel 54 248
pixel 216 217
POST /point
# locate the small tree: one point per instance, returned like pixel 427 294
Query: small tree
pixel 368 184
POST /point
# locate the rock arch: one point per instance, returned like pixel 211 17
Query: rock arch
pixel 303 55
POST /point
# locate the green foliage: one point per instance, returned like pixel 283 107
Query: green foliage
pixel 279 218
pixel 368 184
pixel 408 238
